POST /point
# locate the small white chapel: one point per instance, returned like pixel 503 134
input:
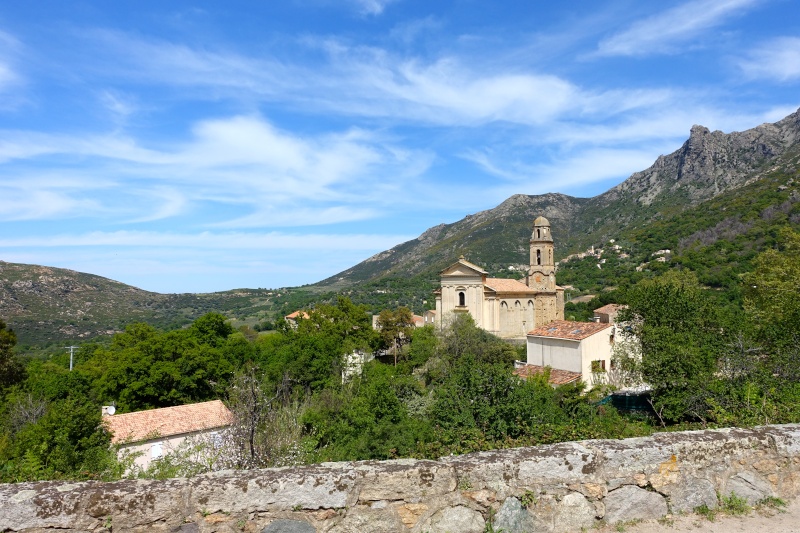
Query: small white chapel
pixel 507 308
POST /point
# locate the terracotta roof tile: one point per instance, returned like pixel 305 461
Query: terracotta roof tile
pixel 609 308
pixel 296 314
pixel 508 285
pixel 557 377
pixel 568 329
pixel 167 421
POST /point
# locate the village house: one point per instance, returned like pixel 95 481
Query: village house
pixel 507 308
pixel 607 314
pixel 152 434
pixel 292 318
pixel 582 348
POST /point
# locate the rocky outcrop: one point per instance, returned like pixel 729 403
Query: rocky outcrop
pixel 709 163
pixel 557 488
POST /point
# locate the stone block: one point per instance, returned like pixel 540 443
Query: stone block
pixel 459 519
pixel 364 519
pixel 633 503
pixel 513 518
pixel 279 489
pixel 573 513
pixel 396 480
pixel 748 486
pixel 289 526
pixel 690 493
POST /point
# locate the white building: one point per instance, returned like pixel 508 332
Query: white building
pixel 584 348
pixel 154 433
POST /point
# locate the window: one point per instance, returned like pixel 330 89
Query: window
pixel 598 366
pixel 462 299
pixel 538 257
pixel 156 450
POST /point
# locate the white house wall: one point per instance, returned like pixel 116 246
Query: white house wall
pixel 596 347
pixel 571 355
pixel 561 354
pixel 143 449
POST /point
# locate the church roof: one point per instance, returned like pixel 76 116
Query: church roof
pixel 568 329
pixel 464 262
pixel 501 285
pixel 557 377
pixel 167 421
pixel 541 221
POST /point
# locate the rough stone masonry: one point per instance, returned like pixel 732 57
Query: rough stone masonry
pixel 555 488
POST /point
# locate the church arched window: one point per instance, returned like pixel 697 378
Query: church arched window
pixel 462 299
pixel 538 257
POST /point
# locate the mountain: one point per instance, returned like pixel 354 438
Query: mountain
pixel 707 165
pixel 54 305
pixel 715 202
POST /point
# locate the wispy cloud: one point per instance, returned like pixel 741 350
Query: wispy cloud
pixel 272 177
pixel 667 31
pixel 210 240
pixel 372 82
pixel 777 59
pixel 372 7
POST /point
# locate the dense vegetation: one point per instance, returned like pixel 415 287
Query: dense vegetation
pixel 709 360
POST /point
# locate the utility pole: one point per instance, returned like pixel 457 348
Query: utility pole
pixel 71 351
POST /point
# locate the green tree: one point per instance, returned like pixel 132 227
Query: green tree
pixel 395 329
pixel 680 335
pixel 11 370
pixel 771 289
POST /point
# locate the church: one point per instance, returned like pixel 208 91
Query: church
pixel 507 308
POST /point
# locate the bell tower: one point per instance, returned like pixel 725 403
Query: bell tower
pixel 542 272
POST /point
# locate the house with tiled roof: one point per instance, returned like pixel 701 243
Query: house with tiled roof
pixel 608 313
pixel 556 377
pixel 583 348
pixel 507 308
pixel 292 318
pixel 153 433
pixel 429 317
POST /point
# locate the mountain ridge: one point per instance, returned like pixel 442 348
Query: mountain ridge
pixel 47 304
pixel 706 165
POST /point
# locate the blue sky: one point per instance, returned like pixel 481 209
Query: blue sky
pixel 203 146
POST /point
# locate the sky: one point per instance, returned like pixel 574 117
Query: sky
pixel 204 146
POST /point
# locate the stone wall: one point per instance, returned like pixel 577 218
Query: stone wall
pixel 561 487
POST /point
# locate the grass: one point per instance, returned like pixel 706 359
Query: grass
pixel 734 505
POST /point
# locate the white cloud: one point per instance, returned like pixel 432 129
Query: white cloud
pixel 9 51
pixel 363 81
pixel 666 31
pixel 568 172
pixel 272 177
pixel 372 7
pixel 209 240
pixel 777 59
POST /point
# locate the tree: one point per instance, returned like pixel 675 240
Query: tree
pixel 266 430
pixel 772 287
pixel 680 338
pixel 395 328
pixel 11 370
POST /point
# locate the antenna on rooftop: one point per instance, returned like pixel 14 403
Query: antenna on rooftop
pixel 71 351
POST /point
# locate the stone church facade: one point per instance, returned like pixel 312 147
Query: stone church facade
pixel 507 308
